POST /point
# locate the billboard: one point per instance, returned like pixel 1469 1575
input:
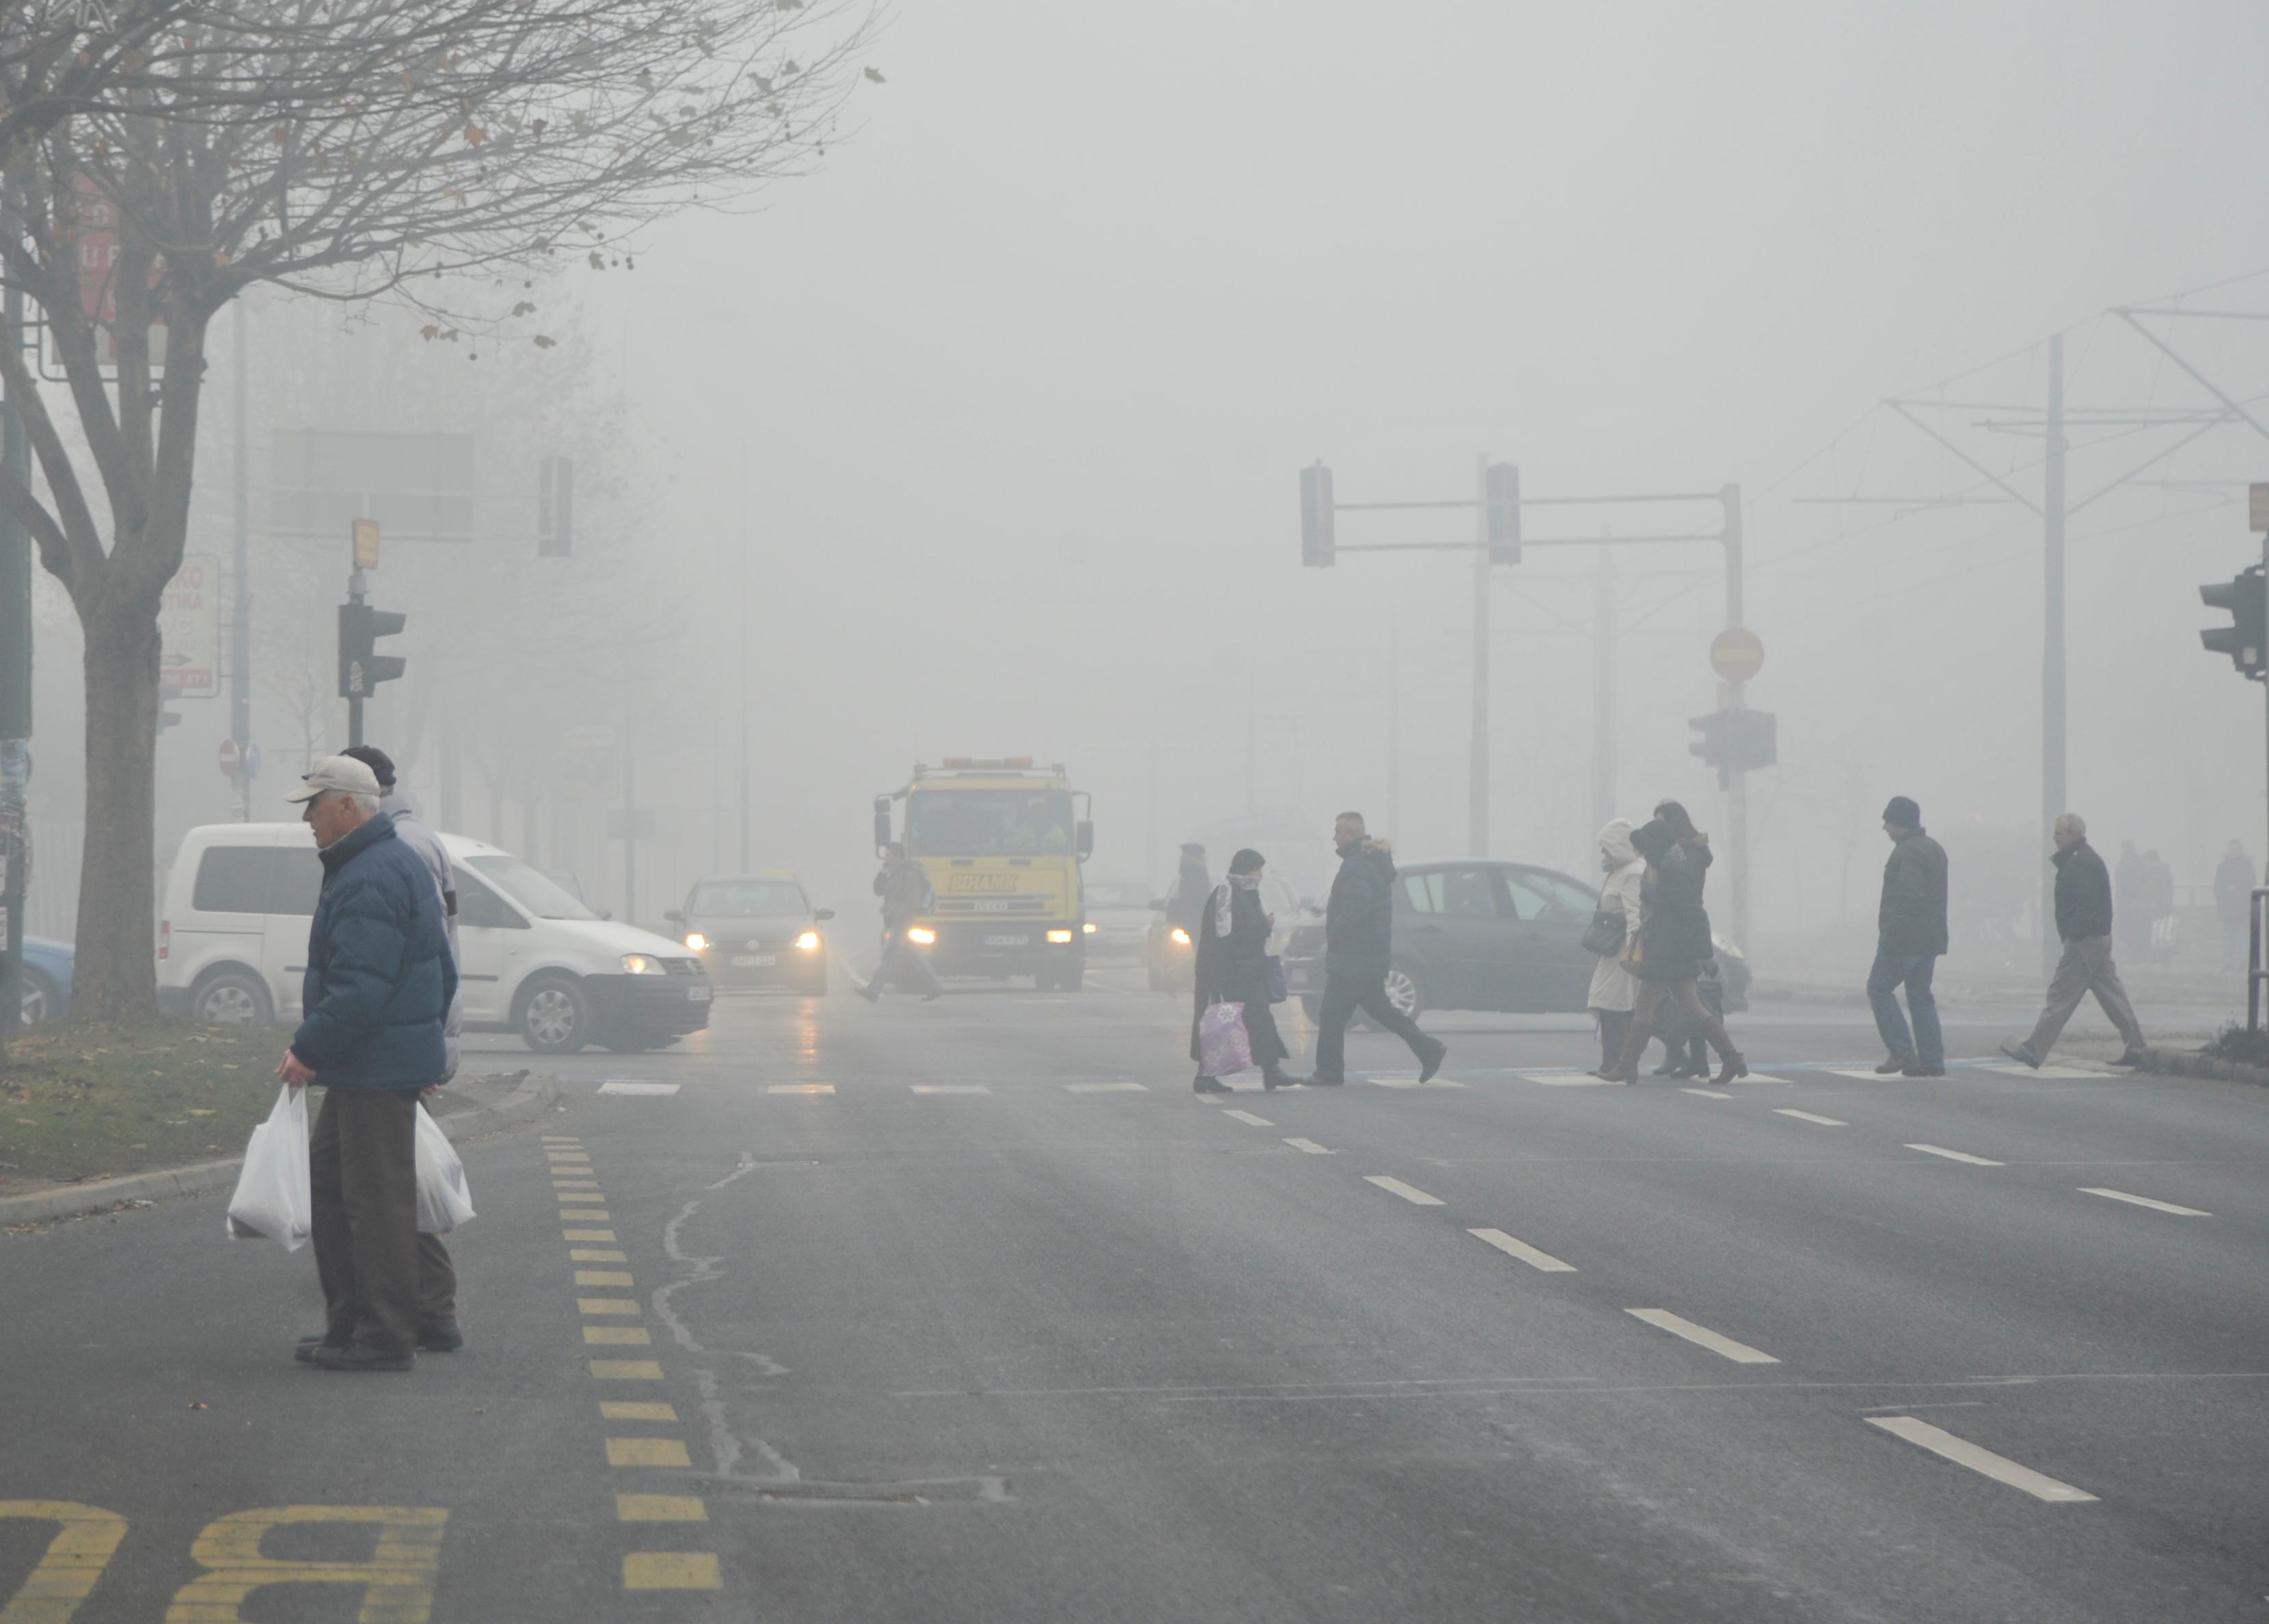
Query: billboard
pixel 188 628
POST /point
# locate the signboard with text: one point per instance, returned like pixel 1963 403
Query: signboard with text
pixel 188 628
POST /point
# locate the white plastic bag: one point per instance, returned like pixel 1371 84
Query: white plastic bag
pixel 1223 1042
pixel 443 1200
pixel 274 1195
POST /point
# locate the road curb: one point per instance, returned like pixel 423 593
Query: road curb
pixel 523 1104
pixel 2186 1063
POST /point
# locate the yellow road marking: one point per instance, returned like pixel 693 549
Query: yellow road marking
pixel 580 1255
pixel 671 1571
pixel 607 1305
pixel 73 1560
pixel 632 1409
pixel 646 1453
pixel 635 1336
pixel 396 1583
pixel 580 1215
pixel 586 1235
pixel 602 1277
pixel 660 1509
pixel 627 1370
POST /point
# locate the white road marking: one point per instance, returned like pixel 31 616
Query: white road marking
pixel 1962 1452
pixel 1576 1080
pixel 2064 1074
pixel 1805 1116
pixel 2144 1200
pixel 1395 1186
pixel 1104 1088
pixel 1769 1082
pixel 1701 1336
pixel 1707 1094
pixel 1310 1147
pixel 799 1087
pixel 1869 1075
pixel 1523 1250
pixel 1246 1116
pixel 623 1086
pixel 1409 1079
pixel 1955 1156
pixel 951 1087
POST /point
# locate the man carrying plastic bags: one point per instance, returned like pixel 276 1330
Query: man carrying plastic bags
pixel 379 982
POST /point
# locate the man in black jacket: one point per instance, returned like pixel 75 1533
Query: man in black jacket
pixel 2083 918
pixel 904 886
pixel 1358 943
pixel 1910 933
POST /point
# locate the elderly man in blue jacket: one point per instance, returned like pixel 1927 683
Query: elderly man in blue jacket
pixel 380 978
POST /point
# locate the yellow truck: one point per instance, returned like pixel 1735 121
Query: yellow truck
pixel 1002 841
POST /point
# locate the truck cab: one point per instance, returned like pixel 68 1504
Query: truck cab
pixel 1001 841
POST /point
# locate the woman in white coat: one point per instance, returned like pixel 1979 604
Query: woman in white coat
pixel 1615 990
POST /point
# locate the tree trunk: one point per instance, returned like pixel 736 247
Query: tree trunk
pixel 114 974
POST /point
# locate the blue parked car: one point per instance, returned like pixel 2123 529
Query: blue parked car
pixel 46 979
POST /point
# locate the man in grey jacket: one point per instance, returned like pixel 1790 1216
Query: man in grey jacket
pixel 1911 934
pixel 2083 918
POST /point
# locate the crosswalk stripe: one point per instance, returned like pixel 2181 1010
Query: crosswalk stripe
pixel 1962 1452
pixel 1701 1336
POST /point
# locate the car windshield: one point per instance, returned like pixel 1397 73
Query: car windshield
pixel 534 891
pixel 746 899
pixel 1118 894
pixel 988 823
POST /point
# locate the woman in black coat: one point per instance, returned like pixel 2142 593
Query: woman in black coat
pixel 1232 933
pixel 1673 942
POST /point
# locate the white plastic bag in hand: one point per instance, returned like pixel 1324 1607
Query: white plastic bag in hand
pixel 443 1200
pixel 273 1195
pixel 1224 1044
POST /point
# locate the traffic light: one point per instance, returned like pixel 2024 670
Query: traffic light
pixel 1736 741
pixel 2247 638
pixel 1504 484
pixel 1317 542
pixel 361 667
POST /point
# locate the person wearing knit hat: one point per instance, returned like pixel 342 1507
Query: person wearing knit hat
pixel 1911 934
pixel 1232 968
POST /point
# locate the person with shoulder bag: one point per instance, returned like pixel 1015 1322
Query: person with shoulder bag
pixel 1232 968
pixel 1673 941
pixel 1615 990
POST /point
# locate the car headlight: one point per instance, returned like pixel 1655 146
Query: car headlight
pixel 1061 938
pixel 696 941
pixel 808 942
pixel 1088 927
pixel 921 936
pixel 641 964
pixel 1180 937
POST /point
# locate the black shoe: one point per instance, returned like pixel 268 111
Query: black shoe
pixel 1669 1068
pixel 1210 1085
pixel 1321 1081
pixel 1428 1064
pixel 873 995
pixel 2016 1053
pixel 355 1356
pixel 1695 1068
pixel 439 1338
pixel 931 998
pixel 1895 1065
pixel 306 1351
pixel 1917 1068
pixel 2135 1058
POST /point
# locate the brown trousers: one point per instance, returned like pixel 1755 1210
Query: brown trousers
pixel 382 1279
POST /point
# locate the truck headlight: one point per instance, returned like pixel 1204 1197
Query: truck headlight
pixel 1061 938
pixel 696 941
pixel 921 936
pixel 1088 927
pixel 1179 937
pixel 808 942
pixel 640 964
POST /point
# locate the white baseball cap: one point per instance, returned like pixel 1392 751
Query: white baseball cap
pixel 341 773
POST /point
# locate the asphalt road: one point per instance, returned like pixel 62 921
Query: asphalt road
pixel 972 1311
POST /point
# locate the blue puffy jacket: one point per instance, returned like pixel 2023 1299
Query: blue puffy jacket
pixel 380 977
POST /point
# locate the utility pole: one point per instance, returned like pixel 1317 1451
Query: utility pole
pixel 2053 710
pixel 743 640
pixel 15 689
pixel 1394 727
pixel 1477 766
pixel 1603 689
pixel 1737 793
pixel 239 638
pixel 630 809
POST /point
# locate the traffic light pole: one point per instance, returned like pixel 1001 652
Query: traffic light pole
pixel 355 589
pixel 1737 791
pixel 15 693
pixel 2053 662
pixel 1477 764
pixel 239 639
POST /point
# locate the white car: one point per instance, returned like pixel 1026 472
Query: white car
pixel 1118 917
pixel 233 945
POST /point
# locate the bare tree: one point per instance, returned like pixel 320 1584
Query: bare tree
pixel 439 153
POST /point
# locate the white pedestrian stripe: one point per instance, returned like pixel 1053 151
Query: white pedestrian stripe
pixel 1246 1116
pixel 2062 1073
pixel 1759 1079
pixel 1956 1155
pixel 1707 1094
pixel 1395 1186
pixel 1409 1079
pixel 623 1086
pixel 1864 1076
pixel 951 1087
pixel 1805 1116
pixel 2144 1200
pixel 1104 1088
pixel 1962 1452
pixel 1572 1079
pixel 1523 1250
pixel 1701 1336
pixel 799 1087
pixel 1310 1147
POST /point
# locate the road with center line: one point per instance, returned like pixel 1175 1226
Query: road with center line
pixel 973 1310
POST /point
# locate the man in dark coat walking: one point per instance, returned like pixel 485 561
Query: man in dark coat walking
pixel 1359 946
pixel 376 997
pixel 1911 934
pixel 2083 918
pixel 904 886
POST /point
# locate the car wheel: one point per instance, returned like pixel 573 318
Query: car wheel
pixel 231 998
pixel 555 1016
pixel 1402 992
pixel 43 999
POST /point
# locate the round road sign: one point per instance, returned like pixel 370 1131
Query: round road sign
pixel 228 759
pixel 1737 655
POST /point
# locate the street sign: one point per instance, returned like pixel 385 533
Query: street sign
pixel 2257 507
pixel 229 759
pixel 188 628
pixel 1737 655
pixel 366 543
pixel 251 761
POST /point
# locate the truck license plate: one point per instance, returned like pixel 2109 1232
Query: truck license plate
pixel 1006 941
pixel 755 961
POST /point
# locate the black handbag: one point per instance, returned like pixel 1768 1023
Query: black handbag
pixel 1604 938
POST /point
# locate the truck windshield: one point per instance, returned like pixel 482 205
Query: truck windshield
pixel 539 895
pixel 989 822
pixel 746 899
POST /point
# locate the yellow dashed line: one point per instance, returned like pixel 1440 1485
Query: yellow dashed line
pixel 578 1215
pixel 632 1336
pixel 660 1509
pixel 627 1370
pixel 671 1571
pixel 602 1277
pixel 630 1409
pixel 607 1305
pixel 586 1235
pixel 581 1255
pixel 646 1453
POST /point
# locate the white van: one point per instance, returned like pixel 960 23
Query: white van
pixel 233 946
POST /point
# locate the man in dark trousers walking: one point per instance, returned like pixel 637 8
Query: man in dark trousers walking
pixel 376 996
pixel 904 886
pixel 1358 944
pixel 2083 918
pixel 1910 936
